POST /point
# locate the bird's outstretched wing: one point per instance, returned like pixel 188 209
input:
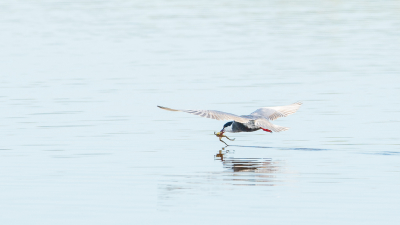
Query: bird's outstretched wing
pixel 212 114
pixel 273 113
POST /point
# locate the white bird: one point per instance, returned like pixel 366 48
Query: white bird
pixel 259 119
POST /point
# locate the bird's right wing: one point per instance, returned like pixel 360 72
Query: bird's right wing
pixel 273 113
pixel 212 114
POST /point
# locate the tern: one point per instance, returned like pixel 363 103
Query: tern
pixel 257 120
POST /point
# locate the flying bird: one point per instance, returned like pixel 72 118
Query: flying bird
pixel 257 120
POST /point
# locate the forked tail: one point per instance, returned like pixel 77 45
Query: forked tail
pixel 269 127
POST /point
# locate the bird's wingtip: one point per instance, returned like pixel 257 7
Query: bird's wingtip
pixel 162 107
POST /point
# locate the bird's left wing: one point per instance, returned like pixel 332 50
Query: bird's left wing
pixel 212 114
pixel 273 113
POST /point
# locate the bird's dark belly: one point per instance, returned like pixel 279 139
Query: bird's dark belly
pixel 240 127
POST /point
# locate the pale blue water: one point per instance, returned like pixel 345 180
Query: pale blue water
pixel 82 141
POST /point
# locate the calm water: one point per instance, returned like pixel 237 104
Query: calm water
pixel 82 141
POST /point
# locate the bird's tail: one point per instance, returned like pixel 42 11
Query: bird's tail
pixel 265 124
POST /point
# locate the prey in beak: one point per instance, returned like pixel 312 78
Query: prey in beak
pixel 221 135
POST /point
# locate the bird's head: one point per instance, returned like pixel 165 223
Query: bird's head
pixel 227 127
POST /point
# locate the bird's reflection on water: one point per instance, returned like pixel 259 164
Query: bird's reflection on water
pixel 249 171
pixel 295 149
pixel 237 171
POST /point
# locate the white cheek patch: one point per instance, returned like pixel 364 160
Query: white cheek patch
pixel 228 129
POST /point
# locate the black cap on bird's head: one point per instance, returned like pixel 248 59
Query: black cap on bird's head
pixel 226 125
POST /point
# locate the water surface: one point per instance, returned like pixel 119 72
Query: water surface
pixel 82 141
